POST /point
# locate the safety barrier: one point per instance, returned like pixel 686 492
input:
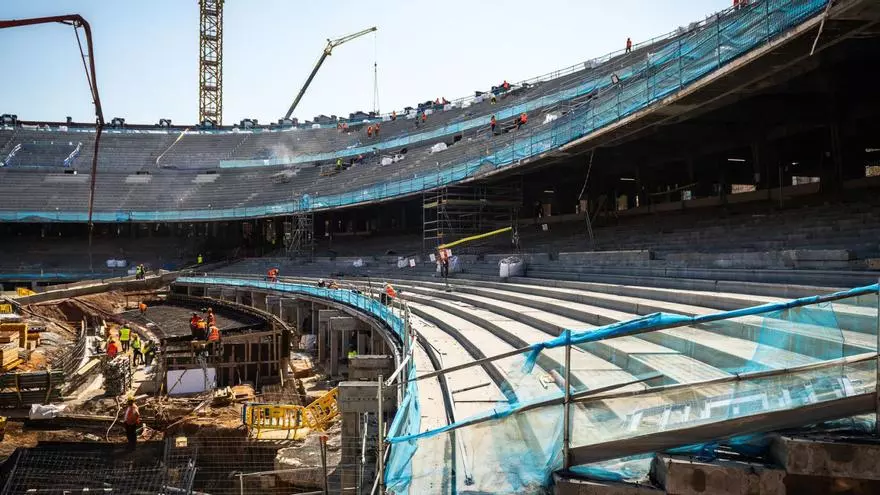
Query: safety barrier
pixel 674 66
pixel 258 417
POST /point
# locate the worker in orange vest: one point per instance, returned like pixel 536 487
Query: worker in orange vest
pixel 132 419
pixel 194 324
pixel 629 45
pixel 143 308
pixel 112 349
pixel 376 130
pixel 211 319
pixel 272 274
pixel 424 117
pixel 523 118
pixel 370 131
pixel 492 123
pixel 505 85
pixel 213 340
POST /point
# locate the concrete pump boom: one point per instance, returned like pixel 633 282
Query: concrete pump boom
pixel 331 44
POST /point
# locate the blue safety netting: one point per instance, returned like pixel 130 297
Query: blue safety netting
pixel 674 66
pixel 671 372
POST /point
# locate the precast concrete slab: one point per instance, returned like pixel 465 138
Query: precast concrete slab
pixel 684 476
pixel 827 457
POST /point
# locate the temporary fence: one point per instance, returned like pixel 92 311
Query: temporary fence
pixel 290 418
pixel 610 94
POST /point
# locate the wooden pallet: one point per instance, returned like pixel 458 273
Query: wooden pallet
pixel 11 365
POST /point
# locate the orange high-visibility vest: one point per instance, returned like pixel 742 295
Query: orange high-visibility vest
pixel 214 336
pixel 132 415
pixel 390 291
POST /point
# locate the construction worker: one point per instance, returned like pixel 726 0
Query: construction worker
pixel 424 117
pixel 339 164
pixel 370 131
pixel 352 353
pixel 505 85
pixel 131 420
pixel 124 337
pixel 139 272
pixel 213 340
pixel 112 349
pixel 199 259
pixel 209 317
pixel 194 322
pixel 376 130
pixel 202 331
pixel 143 308
pixel 388 295
pixel 393 115
pixel 522 120
pixel 443 257
pixel 272 274
pixel 149 352
pixel 136 352
pixel 629 45
pixel 492 123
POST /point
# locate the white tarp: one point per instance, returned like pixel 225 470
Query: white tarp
pixel 47 411
pixel 308 342
pixel 190 381
pixel 550 117
pixel 358 263
pixel 438 147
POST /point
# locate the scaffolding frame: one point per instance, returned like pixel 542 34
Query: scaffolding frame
pixel 457 211
pixel 299 235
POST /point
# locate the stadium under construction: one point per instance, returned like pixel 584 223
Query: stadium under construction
pixel 650 272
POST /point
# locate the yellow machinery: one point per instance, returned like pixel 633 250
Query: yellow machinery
pixel 474 238
pixel 315 416
pixel 23 291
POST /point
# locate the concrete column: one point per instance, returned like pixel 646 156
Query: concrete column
pixel 238 297
pixel 322 319
pixel 363 342
pixel 322 344
pixel 334 353
pixel 355 399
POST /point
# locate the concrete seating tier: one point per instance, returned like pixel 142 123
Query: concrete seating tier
pixel 482 316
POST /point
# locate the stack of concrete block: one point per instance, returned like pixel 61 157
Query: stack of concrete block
pixel 117 375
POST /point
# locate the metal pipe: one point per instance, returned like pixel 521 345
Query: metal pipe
pixel 381 421
pixel 877 371
pixel 323 439
pixel 566 403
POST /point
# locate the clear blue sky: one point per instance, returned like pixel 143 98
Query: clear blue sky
pixel 146 52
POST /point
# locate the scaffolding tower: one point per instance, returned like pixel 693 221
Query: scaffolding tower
pixel 299 236
pixel 454 212
pixel 211 61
